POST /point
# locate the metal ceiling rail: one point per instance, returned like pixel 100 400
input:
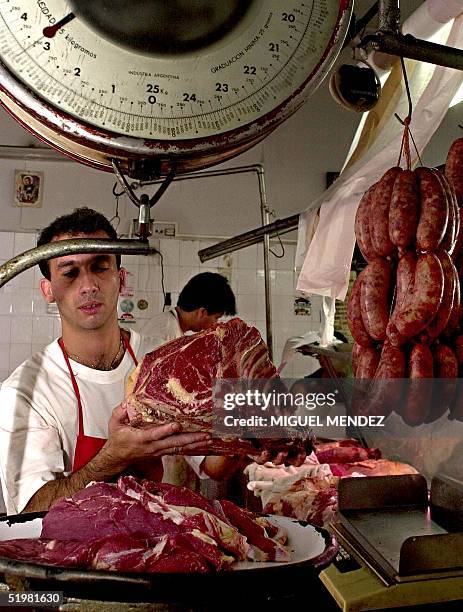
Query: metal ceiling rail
pixel 388 39
pixel 280 226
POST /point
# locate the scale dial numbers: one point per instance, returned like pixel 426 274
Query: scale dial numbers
pixel 183 106
pixel 254 69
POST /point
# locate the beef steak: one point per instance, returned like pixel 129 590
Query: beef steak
pixel 142 526
pixel 175 382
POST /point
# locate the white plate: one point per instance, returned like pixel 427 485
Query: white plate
pixel 305 542
pixel 19 530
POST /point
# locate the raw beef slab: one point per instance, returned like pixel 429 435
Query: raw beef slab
pixel 143 526
pixel 175 382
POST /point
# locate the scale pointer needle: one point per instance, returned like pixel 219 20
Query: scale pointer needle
pixel 50 31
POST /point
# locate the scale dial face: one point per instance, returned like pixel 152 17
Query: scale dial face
pixel 220 92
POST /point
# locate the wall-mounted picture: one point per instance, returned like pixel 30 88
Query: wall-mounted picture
pixel 28 188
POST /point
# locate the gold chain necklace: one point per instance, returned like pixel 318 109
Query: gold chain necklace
pixel 95 366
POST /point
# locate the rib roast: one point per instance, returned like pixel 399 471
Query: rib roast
pixel 175 382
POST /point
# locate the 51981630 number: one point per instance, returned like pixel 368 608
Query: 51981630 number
pixel 31 598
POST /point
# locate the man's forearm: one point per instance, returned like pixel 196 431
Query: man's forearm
pixel 102 467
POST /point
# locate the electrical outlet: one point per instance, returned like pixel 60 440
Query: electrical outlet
pixel 166 229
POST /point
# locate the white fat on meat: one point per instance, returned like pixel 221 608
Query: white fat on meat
pixel 175 387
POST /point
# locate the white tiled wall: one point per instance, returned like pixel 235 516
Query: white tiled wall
pixel 25 325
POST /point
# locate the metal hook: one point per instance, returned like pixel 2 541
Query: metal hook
pixel 272 213
pixel 407 88
pixel 123 182
pixel 116 218
pixel 115 194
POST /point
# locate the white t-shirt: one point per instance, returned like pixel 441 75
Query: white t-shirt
pixel 39 417
pixel 164 326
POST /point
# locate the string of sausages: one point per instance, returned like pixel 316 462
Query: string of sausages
pixel 405 308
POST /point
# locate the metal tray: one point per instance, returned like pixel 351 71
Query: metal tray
pixel 312 549
pixel 390 523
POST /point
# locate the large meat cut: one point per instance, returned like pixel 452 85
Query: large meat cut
pixel 175 382
pixel 142 526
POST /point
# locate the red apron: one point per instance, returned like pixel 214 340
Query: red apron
pixel 86 446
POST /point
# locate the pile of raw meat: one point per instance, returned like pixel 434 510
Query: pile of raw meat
pixel 143 526
pixel 404 310
pixel 175 383
pixel 310 492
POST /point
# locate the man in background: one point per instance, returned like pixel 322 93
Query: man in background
pixel 202 302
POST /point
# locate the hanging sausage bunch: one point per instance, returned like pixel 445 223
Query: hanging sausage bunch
pixel 405 309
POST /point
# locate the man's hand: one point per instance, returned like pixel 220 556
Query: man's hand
pixel 295 458
pixel 127 444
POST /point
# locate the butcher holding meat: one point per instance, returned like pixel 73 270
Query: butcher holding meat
pixel 62 425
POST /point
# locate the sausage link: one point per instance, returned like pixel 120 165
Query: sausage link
pixel 368 362
pixel 453 323
pixel 386 388
pixel 379 218
pixel 374 297
pixel 457 217
pixel 404 210
pixel 391 363
pixel 448 241
pixel 434 211
pixel 459 266
pixel 394 336
pixel 405 279
pixel 362 225
pixel 356 352
pixel 458 246
pixel 420 366
pixel 446 366
pixel 354 314
pixel 452 196
pixel 423 302
pixel 440 321
pixel 454 168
